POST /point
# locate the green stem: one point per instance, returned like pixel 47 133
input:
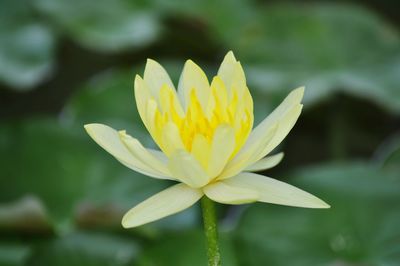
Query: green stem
pixel 210 229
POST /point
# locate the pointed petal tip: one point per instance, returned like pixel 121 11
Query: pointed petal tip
pixel 191 67
pixel 299 92
pixel 138 82
pixel 127 222
pixel 230 55
pixel 124 223
pixel 325 205
pixel 150 61
pixel 190 63
pixel 318 203
pixel 93 126
pixel 151 66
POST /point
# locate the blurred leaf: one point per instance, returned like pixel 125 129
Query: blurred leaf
pixel 13 254
pixel 87 249
pixel 360 228
pixel 222 18
pixel 185 248
pixel 388 154
pixel 26 46
pixel 326 47
pixel 26 215
pixel 107 98
pixel 104 25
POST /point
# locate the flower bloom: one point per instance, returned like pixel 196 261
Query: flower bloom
pixel 207 143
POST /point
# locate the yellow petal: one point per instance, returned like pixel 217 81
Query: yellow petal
pixel 224 193
pixel 222 147
pixel 151 115
pixel 167 202
pixel 193 78
pixel 261 141
pixel 274 191
pixel 143 154
pixel 219 99
pixel 155 77
pixel 171 139
pixel 247 153
pixel 187 169
pixel 169 101
pixel 266 163
pixel 109 139
pixel 201 149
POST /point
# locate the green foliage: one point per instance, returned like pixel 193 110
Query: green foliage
pixel 106 25
pixel 62 197
pixel 360 228
pixel 85 249
pixel 26 46
pixel 187 248
pixel 327 48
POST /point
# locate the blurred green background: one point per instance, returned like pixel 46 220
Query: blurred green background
pixel 64 63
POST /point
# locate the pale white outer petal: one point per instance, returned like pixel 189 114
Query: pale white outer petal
pixel 266 163
pixel 286 123
pixel 187 169
pixel 109 139
pixel 273 191
pixel 224 193
pixel 167 202
pixel 286 114
pixel 147 156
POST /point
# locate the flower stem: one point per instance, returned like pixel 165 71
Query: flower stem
pixel 211 231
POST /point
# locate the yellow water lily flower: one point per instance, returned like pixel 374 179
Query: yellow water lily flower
pixel 207 143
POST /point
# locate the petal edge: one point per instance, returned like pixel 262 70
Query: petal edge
pixel 276 192
pixel 167 202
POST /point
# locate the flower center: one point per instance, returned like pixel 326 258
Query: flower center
pixel 223 108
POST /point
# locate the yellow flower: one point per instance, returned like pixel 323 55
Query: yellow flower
pixel 204 132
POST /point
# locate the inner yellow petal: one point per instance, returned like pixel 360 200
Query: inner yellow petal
pixel 194 129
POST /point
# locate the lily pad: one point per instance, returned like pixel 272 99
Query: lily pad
pixel 14 253
pixel 107 25
pixel 83 248
pixel 328 48
pixel 360 228
pixel 27 215
pixel 26 46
